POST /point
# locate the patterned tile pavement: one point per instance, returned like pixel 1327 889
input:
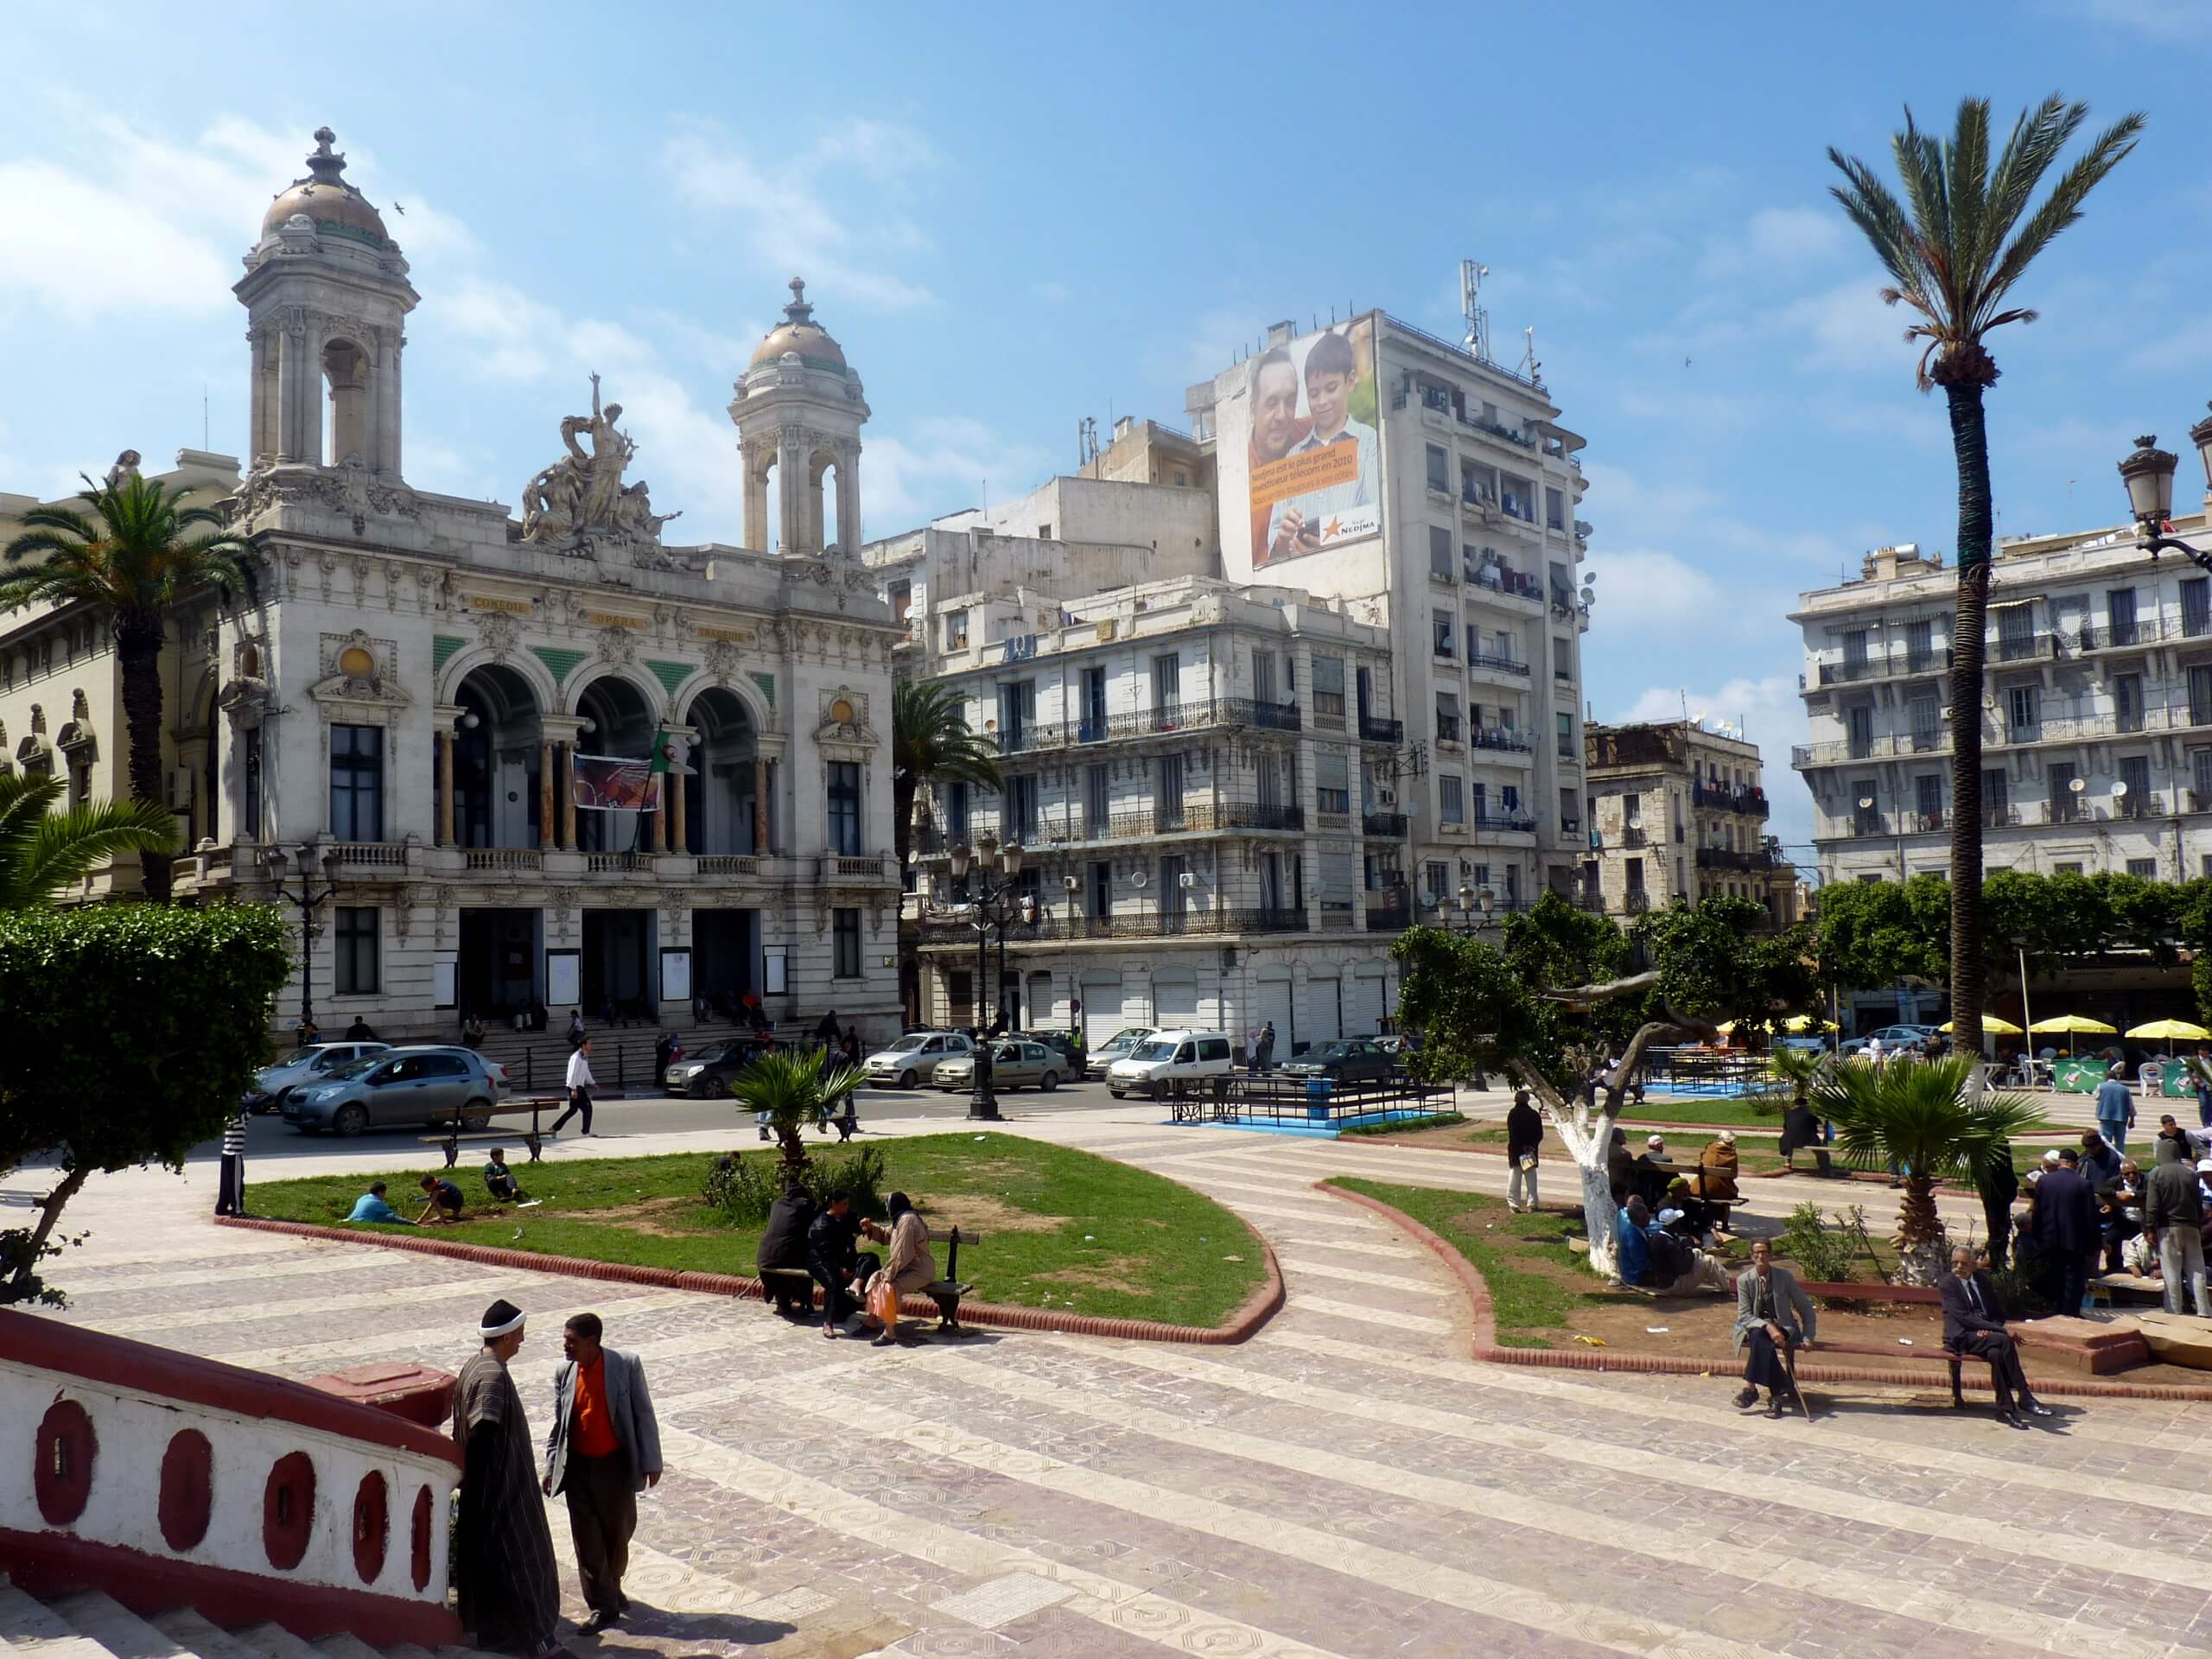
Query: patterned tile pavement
pixel 1346 1484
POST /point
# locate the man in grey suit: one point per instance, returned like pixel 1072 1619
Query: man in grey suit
pixel 1773 1317
pixel 603 1451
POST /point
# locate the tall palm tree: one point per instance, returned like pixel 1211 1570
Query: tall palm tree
pixel 794 1089
pixel 1955 248
pixel 1920 1116
pixel 930 743
pixel 41 851
pixel 134 558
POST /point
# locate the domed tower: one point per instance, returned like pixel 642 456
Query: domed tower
pixel 327 298
pixel 798 410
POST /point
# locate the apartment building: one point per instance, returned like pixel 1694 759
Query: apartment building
pixel 1677 811
pixel 1197 772
pixel 2096 716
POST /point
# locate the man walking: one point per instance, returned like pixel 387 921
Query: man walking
pixel 580 1083
pixel 1524 1140
pixel 503 1567
pixel 2066 1233
pixel 603 1451
pixel 2116 1113
pixel 1974 1324
pixel 1267 1046
pixel 230 1185
pixel 2173 1214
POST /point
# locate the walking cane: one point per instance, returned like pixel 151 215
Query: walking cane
pixel 1790 1369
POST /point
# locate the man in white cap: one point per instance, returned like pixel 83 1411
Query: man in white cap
pixel 510 1591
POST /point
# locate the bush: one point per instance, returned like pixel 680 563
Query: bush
pixel 1822 1253
pixel 744 1189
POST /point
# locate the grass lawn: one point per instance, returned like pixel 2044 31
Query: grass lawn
pixel 1062 1229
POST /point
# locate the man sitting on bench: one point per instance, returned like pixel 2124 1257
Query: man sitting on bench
pixel 499 1181
pixel 1772 1316
pixel 833 1257
pixel 1974 1326
pixel 783 1252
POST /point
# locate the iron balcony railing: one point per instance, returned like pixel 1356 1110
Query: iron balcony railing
pixel 1729 858
pixel 1387 825
pixel 1375 729
pixel 1496 664
pixel 1524 823
pixel 1499 737
pixel 1750 800
pixel 1150 925
pixel 1389 918
pixel 1195 817
pixel 1165 719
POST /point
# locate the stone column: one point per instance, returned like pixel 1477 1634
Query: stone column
pixel 760 805
pixel 681 812
pixel 660 820
pixel 293 385
pixel 547 767
pixel 567 753
pixel 791 477
pixel 445 787
pixel 848 499
pixel 388 380
pixel 263 442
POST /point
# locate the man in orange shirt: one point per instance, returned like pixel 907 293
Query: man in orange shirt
pixel 603 1451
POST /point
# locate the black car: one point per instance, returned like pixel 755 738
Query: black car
pixel 710 1071
pixel 1353 1060
pixel 1060 1043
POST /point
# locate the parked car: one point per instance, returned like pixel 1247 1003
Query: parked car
pixel 1062 1044
pixel 1355 1059
pixel 1116 1047
pixel 1015 1064
pixel 708 1073
pixel 1171 1063
pixel 915 1057
pixel 1807 1043
pixel 1893 1039
pixel 431 1083
pixel 310 1065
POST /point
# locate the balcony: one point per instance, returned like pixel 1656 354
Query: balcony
pixel 1728 858
pixel 1195 817
pixel 1635 838
pixel 510 858
pixel 1638 900
pixel 2196 624
pixel 367 854
pixel 1389 918
pixel 2127 634
pixel 845 868
pixel 1750 800
pixel 1502 737
pixel 1511 822
pixel 1998 816
pixel 1163 720
pixel 1885 665
pixel 1864 824
pixel 1374 729
pixel 1478 661
pixel 2022 647
pixel 740 863
pixel 1216 922
pixel 1386 826
pixel 617 863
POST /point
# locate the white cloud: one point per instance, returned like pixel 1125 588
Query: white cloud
pixel 948 464
pixel 784 210
pixel 1775 237
pixel 1053 293
pixel 1772 715
pixel 80 250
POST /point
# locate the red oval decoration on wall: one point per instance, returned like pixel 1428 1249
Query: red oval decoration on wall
pixel 62 1474
pixel 371 1526
pixel 288 1510
pixel 187 1488
pixel 419 1539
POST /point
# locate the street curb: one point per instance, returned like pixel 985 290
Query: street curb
pixel 1265 1300
pixel 1484 1345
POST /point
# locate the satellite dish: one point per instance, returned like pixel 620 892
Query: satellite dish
pixel 1187 879
pixel 2119 789
pixel 1866 803
pixel 2078 785
pixel 1636 820
pixel 1139 879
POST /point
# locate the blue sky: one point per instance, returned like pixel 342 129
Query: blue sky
pixel 1015 216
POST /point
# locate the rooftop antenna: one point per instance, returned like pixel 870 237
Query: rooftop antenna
pixel 1471 306
pixel 1531 370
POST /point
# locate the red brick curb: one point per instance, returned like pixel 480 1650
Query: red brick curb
pixel 1257 1309
pixel 1485 1348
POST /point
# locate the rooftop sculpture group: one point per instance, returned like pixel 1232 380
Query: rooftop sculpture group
pixel 579 502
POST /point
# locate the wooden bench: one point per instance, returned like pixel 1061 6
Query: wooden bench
pixel 793 1281
pixel 533 1137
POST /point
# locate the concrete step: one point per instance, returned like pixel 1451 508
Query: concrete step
pixel 274 1642
pixel 200 1636
pixel 342 1646
pixel 119 1630
pixel 27 1622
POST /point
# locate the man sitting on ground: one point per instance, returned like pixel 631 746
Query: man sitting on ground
pixel 2100 1163
pixel 499 1181
pixel 373 1205
pixel 2120 1210
pixel 1673 1265
pixel 1974 1326
pixel 443 1197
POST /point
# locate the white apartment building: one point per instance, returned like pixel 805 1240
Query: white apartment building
pixel 1209 838
pixel 1679 811
pixel 1433 494
pixel 2096 716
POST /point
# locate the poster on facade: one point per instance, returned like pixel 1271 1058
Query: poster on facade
pixel 608 783
pixel 1303 435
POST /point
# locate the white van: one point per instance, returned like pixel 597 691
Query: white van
pixel 1171 1063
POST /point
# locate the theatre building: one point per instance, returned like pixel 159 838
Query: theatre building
pixel 408 714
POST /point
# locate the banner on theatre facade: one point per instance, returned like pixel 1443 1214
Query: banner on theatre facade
pixel 608 783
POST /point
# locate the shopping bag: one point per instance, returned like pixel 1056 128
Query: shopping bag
pixel 883 1300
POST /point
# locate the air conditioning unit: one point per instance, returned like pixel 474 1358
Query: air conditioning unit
pixel 1385 797
pixel 180 789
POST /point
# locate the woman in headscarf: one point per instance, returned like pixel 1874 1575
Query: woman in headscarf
pixel 908 1263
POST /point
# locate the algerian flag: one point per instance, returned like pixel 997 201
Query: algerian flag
pixel 672 754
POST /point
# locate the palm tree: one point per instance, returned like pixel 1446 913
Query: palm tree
pixel 930 743
pixel 1955 254
pixel 41 851
pixel 133 558
pixel 1920 1116
pixel 794 1089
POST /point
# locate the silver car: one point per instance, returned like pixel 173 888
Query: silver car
pixel 1116 1047
pixel 1014 1065
pixel 429 1084
pixel 915 1057
pixel 313 1064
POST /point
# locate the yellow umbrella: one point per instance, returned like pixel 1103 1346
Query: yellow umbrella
pixel 1991 1026
pixel 2171 1029
pixel 2074 1023
pixel 1805 1022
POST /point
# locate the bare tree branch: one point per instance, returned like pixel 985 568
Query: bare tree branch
pixel 1582 998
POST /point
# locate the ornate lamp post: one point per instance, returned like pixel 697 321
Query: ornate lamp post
pixel 2149 475
pixel 1469 911
pixel 991 904
pixel 308 898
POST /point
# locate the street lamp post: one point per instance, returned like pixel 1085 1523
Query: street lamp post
pixel 1470 911
pixel 2148 473
pixel 991 904
pixel 307 897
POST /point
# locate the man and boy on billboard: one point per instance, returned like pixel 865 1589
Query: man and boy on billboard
pixel 1314 477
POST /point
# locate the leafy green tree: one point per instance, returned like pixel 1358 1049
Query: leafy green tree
pixel 1921 1117
pixel 42 851
pixel 133 558
pixel 1955 248
pixel 1876 933
pixel 794 1088
pixel 133 1030
pixel 930 744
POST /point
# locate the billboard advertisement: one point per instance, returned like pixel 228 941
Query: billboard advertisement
pixel 1304 431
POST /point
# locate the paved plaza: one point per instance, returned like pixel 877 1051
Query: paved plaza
pixel 1347 1484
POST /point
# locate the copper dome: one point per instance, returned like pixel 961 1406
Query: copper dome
pixel 798 332
pixel 325 197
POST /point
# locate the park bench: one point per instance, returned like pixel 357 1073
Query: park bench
pixel 533 1137
pixel 945 1292
pixel 2083 1344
